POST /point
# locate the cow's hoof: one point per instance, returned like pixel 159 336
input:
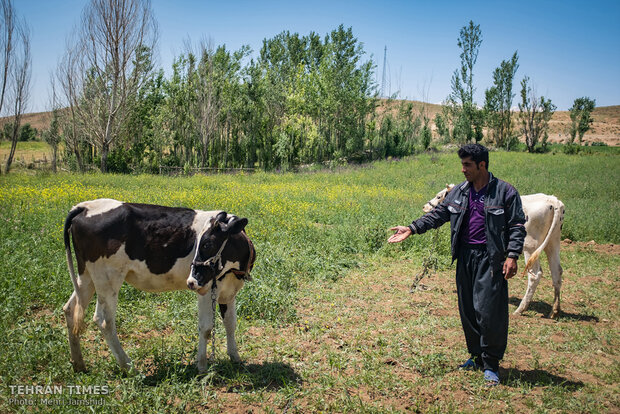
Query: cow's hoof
pixel 554 315
pixel 202 365
pixel 130 371
pixel 234 356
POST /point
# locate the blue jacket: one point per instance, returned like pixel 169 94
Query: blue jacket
pixel 504 219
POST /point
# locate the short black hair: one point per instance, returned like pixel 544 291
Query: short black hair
pixel 477 153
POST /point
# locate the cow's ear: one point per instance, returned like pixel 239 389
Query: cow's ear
pixel 236 225
pixel 221 217
pixel 219 221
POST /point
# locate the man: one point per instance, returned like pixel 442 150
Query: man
pixel 487 237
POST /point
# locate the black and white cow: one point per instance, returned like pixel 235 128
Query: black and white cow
pixel 155 249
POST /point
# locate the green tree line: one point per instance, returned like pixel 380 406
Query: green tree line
pixel 301 100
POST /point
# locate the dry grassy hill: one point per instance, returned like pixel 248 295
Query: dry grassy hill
pixel 393 106
pixel 605 128
pixel 38 120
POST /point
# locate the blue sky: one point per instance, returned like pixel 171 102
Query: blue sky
pixel 568 48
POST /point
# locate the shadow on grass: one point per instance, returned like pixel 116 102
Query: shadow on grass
pixel 513 377
pixel 234 376
pixel 545 309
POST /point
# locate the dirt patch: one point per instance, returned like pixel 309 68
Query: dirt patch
pixel 592 245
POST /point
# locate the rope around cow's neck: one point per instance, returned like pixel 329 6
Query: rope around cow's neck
pixel 218 257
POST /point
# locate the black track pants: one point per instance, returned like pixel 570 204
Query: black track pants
pixel 483 306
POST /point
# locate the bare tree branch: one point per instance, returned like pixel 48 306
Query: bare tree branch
pixel 68 80
pixel 19 89
pixel 209 103
pixel 112 53
pixel 7 29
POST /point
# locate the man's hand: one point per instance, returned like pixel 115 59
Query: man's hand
pixel 402 232
pixel 510 268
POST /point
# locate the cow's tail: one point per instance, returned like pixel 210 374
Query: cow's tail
pixel 558 214
pixel 78 314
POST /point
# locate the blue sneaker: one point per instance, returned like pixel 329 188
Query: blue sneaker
pixel 491 378
pixel 470 365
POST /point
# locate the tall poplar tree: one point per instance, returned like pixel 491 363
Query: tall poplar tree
pixel 498 101
pixel 534 114
pixel 580 116
pixel 15 61
pixel 467 117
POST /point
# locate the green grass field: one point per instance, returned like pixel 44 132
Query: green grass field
pixel 328 324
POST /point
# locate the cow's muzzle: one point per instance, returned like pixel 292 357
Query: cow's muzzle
pixel 201 273
pixel 193 284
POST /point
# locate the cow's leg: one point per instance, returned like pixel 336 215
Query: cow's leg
pixel 533 278
pixel 205 325
pixel 74 310
pixel 229 315
pixel 553 254
pixel 105 317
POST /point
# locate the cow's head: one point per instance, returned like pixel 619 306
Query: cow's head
pixel 220 247
pixel 434 202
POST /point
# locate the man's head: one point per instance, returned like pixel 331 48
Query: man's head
pixel 477 153
pixel 475 161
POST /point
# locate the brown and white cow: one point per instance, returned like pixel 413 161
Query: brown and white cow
pixel 155 249
pixel 544 218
